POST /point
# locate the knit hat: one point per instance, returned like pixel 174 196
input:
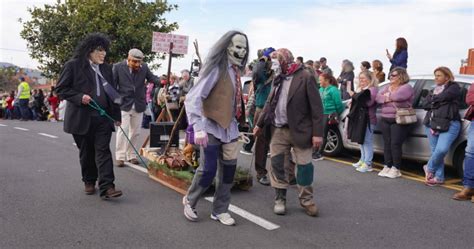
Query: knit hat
pixel 268 51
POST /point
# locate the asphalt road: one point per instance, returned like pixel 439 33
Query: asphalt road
pixel 42 205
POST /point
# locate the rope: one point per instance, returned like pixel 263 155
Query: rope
pixel 102 112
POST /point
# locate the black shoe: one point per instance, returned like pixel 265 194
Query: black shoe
pixel 317 156
pixel 264 181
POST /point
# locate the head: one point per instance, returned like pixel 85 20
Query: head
pixel 399 76
pixel 401 44
pixel 443 75
pixel 367 79
pixel 323 61
pixel 22 79
pixel 347 66
pixel 325 80
pixel 364 66
pixel 173 79
pixel 281 59
pixel 267 52
pixel 93 48
pixel 185 75
pixel 231 48
pixel 309 64
pixel 317 65
pixel 299 60
pixel 377 65
pixel 135 59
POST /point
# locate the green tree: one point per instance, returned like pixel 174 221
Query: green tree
pixel 54 30
pixel 7 79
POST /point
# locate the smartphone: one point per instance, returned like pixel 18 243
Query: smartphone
pixel 386 50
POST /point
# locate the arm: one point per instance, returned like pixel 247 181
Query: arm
pixel 64 87
pixel 198 93
pixel 151 77
pixel 373 95
pixel 470 95
pixel 400 58
pixel 453 92
pixel 316 106
pixel 336 96
pixel 403 93
pixel 20 89
pixel 261 120
pixel 380 99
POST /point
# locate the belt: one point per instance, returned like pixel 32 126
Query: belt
pixel 285 126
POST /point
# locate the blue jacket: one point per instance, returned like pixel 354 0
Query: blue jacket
pixel 399 59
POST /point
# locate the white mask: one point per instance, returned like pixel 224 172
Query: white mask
pixel 276 66
pixel 237 50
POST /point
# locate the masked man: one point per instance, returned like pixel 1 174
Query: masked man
pixel 294 109
pixel 215 107
pixel 130 76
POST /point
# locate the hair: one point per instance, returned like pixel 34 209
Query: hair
pixel 322 59
pixel 185 71
pixel 316 62
pixel 365 64
pixel 347 63
pixel 373 82
pixel 401 44
pixel 12 94
pixel 89 44
pixel 22 79
pixel 218 54
pixel 377 65
pixel 330 78
pixel 300 58
pixel 402 74
pixel 446 71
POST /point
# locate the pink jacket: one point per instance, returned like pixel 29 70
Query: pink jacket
pixel 402 97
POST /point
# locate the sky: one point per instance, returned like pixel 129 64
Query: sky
pixel 439 32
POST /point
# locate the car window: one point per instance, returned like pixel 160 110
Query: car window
pixel 428 85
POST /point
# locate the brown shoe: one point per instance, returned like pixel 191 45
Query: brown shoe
pixel 133 161
pixel 111 193
pixel 89 188
pixel 120 163
pixel 311 210
pixel 465 195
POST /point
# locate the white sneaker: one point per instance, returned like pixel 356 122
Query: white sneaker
pixel 244 152
pixel 357 164
pixel 189 212
pixel 223 218
pixel 394 173
pixel 384 171
pixel 364 168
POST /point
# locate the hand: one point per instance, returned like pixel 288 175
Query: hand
pixel 317 142
pixel 389 56
pixel 257 131
pixel 200 138
pixel 117 123
pixel 86 99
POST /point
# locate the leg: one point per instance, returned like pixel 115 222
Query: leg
pixel 325 133
pixel 121 141
pixel 279 150
pixel 369 145
pixel 445 139
pixel 387 141
pixel 304 175
pixel 225 177
pixel 399 134
pixel 206 171
pixel 261 150
pixel 468 178
pixel 103 156
pixel 133 132
pixel 85 143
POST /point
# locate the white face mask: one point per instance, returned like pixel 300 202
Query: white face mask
pixel 276 66
pixel 237 50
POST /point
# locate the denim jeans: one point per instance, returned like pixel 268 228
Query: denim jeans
pixel 25 111
pixel 440 145
pixel 468 180
pixel 367 148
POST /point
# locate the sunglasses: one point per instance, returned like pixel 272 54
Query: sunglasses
pixel 393 75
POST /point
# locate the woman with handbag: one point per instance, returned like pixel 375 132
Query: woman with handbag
pixel 333 107
pixel 467 193
pixel 362 119
pixel 442 122
pixel 396 100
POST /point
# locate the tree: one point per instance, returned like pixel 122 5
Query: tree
pixel 54 30
pixel 8 81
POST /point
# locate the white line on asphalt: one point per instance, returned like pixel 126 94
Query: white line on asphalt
pixel 249 216
pixel 3 125
pixel 21 129
pixel 139 168
pixel 47 135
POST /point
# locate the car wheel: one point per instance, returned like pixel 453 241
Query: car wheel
pixel 334 142
pixel 458 159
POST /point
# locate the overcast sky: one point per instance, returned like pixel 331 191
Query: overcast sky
pixel 439 32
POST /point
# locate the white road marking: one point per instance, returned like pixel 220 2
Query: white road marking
pixel 21 129
pixel 47 135
pixel 3 125
pixel 139 168
pixel 249 216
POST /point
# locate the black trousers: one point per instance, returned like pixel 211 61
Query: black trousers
pixel 94 154
pixel 394 135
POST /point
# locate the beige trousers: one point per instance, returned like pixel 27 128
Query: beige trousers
pixel 131 122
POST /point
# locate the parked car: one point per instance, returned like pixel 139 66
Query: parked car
pixel 417 146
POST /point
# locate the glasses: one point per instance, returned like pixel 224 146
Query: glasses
pixel 394 75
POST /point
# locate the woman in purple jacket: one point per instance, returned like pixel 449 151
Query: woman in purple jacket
pixel 397 94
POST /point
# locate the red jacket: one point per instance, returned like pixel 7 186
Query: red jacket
pixel 470 96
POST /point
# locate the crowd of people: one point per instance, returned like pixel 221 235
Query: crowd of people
pixel 26 104
pixel 291 106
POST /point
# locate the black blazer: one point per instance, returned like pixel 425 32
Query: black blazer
pixel 444 105
pixel 75 80
pixel 133 88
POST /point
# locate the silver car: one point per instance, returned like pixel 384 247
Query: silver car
pixel 416 147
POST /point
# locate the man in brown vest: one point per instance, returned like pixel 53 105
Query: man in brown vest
pixel 295 112
pixel 215 107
